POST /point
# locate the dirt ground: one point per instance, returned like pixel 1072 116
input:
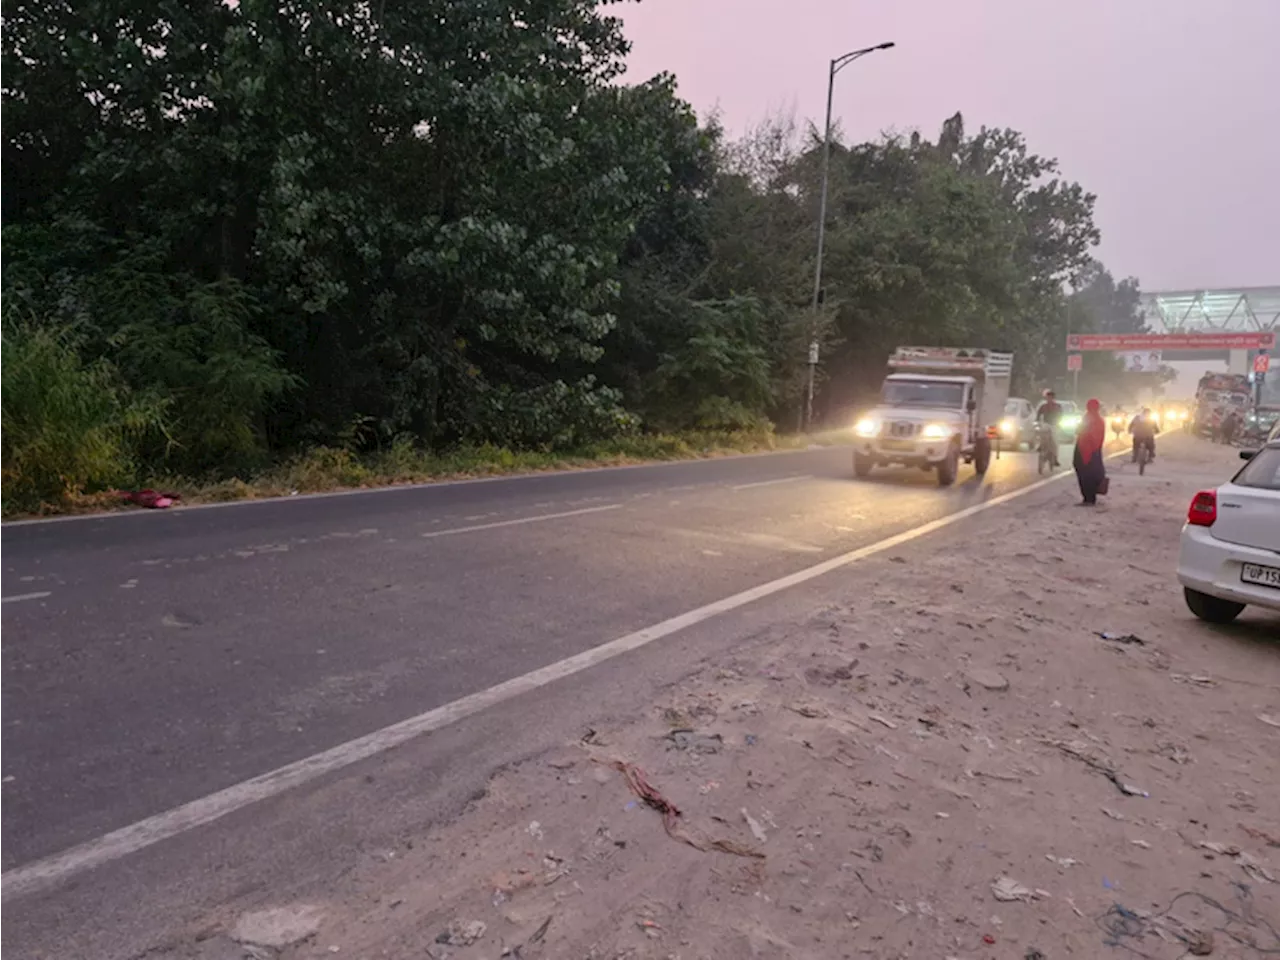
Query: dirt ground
pixel 947 761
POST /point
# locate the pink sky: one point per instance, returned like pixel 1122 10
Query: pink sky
pixel 1168 110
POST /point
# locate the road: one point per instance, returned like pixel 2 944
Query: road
pixel 153 659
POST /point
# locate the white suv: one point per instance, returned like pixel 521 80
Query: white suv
pixel 1230 556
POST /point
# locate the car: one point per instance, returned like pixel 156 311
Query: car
pixel 1018 426
pixel 1229 557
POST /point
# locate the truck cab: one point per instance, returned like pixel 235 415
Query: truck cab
pixel 941 405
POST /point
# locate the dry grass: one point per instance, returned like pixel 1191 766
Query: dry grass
pixel 325 469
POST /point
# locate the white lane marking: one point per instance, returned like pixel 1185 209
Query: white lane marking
pixel 155 515
pixel 27 596
pixel 770 483
pixel 538 518
pixel 42 874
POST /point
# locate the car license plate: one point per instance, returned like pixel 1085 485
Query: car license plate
pixel 1263 576
pixel 897 444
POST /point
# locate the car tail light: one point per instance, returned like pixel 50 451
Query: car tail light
pixel 1204 509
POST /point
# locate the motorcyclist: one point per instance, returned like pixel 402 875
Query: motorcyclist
pixel 1143 428
pixel 1047 417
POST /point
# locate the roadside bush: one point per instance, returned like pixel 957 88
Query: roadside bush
pixel 69 427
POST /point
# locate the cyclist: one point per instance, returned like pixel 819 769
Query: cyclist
pixel 1143 428
pixel 1047 417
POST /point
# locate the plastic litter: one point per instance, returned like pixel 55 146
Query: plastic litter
pixel 1127 638
pixel 1008 890
pixel 150 498
pixel 757 831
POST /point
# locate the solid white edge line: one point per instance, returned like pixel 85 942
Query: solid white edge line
pixel 45 873
pixel 773 483
pixel 537 518
pixel 27 596
pixel 401 487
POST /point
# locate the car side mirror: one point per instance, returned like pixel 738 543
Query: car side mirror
pixel 972 405
pixel 1247 454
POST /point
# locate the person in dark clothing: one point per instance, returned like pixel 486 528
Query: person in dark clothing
pixel 1143 428
pixel 1230 426
pixel 1091 472
pixel 1047 417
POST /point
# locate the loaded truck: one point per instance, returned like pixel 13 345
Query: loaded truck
pixel 938 406
pixel 1218 394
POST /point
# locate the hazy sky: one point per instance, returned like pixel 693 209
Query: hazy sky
pixel 1168 110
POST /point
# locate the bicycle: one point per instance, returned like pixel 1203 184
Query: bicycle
pixel 1048 447
pixel 1144 457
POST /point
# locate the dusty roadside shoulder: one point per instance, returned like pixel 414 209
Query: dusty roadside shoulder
pixel 946 760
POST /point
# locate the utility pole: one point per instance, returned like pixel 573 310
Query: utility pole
pixel 835 66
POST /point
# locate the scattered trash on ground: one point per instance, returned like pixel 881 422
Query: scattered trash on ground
pixel 1244 927
pixel 694 742
pixel 1080 751
pixel 1269 720
pixel 757 831
pixel 1008 890
pixel 150 498
pixel 1126 638
pixel 462 934
pixel 671 814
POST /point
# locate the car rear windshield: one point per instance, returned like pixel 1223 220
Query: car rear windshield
pixel 1262 471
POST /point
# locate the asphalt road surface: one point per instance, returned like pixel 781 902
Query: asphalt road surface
pixel 152 659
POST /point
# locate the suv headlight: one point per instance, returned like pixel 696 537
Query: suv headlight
pixel 935 431
pixel 867 427
pixel 1008 428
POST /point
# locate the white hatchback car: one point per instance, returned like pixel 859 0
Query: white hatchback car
pixel 1230 556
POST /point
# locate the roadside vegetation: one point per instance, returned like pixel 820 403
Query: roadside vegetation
pixel 275 248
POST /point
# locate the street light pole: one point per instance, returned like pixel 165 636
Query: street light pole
pixel 836 65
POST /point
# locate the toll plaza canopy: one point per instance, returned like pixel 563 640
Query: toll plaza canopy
pixel 1212 311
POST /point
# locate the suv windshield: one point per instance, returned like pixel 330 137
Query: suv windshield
pixel 923 393
pixel 1263 471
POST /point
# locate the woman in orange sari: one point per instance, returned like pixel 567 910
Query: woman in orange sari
pixel 1087 460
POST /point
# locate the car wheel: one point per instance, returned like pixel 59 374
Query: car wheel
pixel 1212 609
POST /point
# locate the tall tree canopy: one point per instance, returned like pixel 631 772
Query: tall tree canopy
pixel 260 226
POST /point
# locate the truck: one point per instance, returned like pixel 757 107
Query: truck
pixel 938 406
pixel 1216 395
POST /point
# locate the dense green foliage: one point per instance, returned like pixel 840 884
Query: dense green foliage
pixel 236 232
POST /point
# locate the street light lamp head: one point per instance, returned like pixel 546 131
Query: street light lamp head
pixel 885 46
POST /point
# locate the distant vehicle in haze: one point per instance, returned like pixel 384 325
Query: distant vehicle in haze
pixel 1070 420
pixel 1019 424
